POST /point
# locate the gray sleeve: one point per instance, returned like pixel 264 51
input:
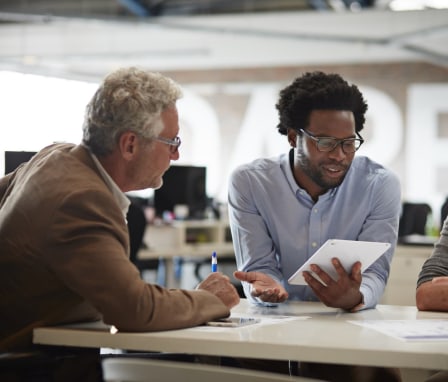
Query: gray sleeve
pixel 437 264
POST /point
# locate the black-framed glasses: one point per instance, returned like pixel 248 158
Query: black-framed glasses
pixel 173 143
pixel 327 144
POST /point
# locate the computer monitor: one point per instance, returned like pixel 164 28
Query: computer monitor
pixel 14 159
pixel 182 185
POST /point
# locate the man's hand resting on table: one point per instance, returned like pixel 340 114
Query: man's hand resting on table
pixel 221 287
pixel 263 286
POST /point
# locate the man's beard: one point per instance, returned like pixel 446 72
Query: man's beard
pixel 316 174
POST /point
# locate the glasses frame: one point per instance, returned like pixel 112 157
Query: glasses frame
pixel 337 142
pixel 173 143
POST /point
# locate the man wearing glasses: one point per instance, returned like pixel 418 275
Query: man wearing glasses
pixel 63 235
pixel 283 209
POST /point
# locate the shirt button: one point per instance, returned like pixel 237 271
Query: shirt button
pixel 314 244
pixel 315 210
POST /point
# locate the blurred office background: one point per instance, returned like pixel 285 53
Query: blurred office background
pixel 232 58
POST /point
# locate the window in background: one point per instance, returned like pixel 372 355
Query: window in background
pixel 39 110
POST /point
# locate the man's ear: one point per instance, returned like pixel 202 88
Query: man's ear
pixel 292 138
pixel 128 145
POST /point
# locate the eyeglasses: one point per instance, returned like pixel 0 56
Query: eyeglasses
pixel 173 143
pixel 327 144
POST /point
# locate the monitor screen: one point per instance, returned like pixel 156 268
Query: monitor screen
pixel 14 159
pixel 182 185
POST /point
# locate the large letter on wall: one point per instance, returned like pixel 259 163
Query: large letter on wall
pixel 386 137
pixel 425 150
pixel 258 135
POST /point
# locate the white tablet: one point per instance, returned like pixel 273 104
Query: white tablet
pixel 347 251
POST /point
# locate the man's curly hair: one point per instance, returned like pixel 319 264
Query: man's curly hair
pixel 318 91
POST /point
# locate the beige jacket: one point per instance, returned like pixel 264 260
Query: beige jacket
pixel 64 256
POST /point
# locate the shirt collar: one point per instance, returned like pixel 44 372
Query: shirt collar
pixel 287 165
pixel 119 195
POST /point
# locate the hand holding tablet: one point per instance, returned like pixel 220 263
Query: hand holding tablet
pixel 347 251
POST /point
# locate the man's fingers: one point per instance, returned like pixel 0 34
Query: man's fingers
pixel 269 295
pixel 322 274
pixel 249 277
pixel 356 272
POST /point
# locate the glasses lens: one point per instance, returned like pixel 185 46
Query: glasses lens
pixel 326 144
pixel 329 144
pixel 351 145
pixel 174 146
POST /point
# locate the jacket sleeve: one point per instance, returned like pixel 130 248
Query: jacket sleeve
pixel 89 253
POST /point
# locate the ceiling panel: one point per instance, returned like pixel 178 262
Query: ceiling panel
pixel 76 47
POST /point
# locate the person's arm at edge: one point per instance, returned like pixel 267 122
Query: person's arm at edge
pixel 432 283
pixel 433 295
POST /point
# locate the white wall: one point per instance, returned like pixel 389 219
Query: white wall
pixel 37 111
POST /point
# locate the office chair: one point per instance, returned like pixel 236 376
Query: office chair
pixel 136 226
pixel 443 213
pixel 413 219
pixel 146 370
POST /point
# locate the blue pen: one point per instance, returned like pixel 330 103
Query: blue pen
pixel 214 262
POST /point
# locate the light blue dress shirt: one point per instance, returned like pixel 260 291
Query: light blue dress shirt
pixel 276 226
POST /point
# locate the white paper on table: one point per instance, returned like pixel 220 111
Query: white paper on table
pixel 409 330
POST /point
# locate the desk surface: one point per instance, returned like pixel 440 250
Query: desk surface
pixel 324 336
pixel 418 240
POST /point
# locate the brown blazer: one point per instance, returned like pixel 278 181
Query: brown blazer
pixel 64 256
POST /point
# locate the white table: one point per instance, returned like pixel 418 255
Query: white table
pixel 325 336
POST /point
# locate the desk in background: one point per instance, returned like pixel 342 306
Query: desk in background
pixel 325 336
pixel 405 268
pixel 188 239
